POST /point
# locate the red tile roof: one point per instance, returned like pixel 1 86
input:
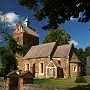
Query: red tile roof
pixel 43 50
pixel 62 51
pixel 75 59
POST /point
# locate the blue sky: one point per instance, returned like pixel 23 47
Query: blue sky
pixel 79 31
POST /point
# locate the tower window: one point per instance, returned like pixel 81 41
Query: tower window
pixel 17 39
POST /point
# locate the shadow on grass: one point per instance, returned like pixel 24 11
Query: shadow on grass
pixel 81 87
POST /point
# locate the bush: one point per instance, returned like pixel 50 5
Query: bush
pixel 80 80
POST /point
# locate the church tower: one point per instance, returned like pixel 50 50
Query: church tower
pixel 25 35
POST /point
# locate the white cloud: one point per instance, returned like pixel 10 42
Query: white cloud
pixel 11 18
pixel 74 42
pixel 72 19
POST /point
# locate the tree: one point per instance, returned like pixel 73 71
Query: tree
pixel 8 50
pixel 58 35
pixel 87 51
pixel 82 56
pixel 58 11
pixel 7 55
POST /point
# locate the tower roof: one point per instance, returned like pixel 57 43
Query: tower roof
pixel 27 22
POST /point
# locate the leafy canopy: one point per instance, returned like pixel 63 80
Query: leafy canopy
pixel 82 55
pixel 7 55
pixel 58 35
pixel 8 49
pixel 58 11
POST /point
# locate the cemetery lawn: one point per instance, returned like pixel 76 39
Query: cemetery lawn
pixel 64 83
pixel 2 80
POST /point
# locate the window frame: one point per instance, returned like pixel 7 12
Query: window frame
pixel 39 68
pixel 74 68
pixel 26 66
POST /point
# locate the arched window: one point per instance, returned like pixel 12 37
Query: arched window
pixel 27 67
pixel 41 68
pixel 75 68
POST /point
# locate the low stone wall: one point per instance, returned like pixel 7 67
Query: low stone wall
pixel 2 86
pixel 32 87
pixel 35 87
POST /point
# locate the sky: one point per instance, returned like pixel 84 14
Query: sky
pixel 79 32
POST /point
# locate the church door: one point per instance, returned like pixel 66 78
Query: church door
pixel 51 73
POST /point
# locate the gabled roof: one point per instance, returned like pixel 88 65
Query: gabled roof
pixel 12 74
pixel 26 29
pixel 30 30
pixel 53 63
pixel 62 51
pixel 74 58
pixel 26 74
pixel 56 64
pixel 43 50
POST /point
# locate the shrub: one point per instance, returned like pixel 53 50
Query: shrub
pixel 80 80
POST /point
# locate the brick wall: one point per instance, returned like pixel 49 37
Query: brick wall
pixel 64 65
pixel 74 73
pixel 22 63
pixel 25 39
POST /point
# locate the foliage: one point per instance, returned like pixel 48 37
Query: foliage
pixel 58 35
pixel 8 50
pixel 80 80
pixel 87 51
pixel 82 55
pixel 58 11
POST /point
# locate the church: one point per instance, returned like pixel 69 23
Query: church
pixel 45 60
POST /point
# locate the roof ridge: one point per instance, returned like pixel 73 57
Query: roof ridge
pixel 66 45
pixel 30 30
pixel 43 44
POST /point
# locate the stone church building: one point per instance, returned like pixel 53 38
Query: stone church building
pixel 45 60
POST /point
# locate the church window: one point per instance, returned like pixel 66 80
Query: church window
pixel 41 68
pixel 27 67
pixel 74 68
pixel 17 39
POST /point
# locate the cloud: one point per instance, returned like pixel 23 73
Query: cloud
pixel 72 19
pixel 74 42
pixel 11 18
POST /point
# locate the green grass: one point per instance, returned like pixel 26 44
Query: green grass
pixel 56 82
pixel 60 84
pixel 67 83
pixel 2 80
